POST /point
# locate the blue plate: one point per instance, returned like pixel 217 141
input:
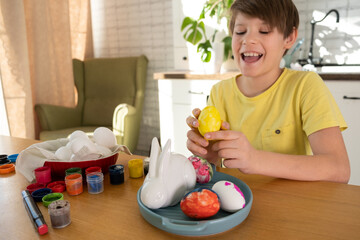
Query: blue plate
pixel 173 220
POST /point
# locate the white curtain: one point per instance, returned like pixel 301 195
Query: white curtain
pixel 38 39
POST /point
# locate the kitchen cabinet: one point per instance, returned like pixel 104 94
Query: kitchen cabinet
pixel 347 96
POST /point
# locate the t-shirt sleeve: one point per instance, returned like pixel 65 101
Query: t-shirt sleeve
pixel 318 106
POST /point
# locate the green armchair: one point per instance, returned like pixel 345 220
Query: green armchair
pixel 110 94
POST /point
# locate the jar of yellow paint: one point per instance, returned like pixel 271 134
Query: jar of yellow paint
pixel 136 168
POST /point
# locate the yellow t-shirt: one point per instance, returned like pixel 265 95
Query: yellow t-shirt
pixel 279 119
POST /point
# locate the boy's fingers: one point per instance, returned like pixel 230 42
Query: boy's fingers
pixel 220 135
pixel 192 122
pixel 196 112
pixel 225 125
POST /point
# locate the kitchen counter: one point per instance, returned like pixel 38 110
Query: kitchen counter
pixel 221 76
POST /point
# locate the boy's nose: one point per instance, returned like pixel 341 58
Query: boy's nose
pixel 249 39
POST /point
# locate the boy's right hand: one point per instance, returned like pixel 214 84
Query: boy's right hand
pixel 196 143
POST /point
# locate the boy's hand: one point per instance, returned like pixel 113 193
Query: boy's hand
pixel 196 143
pixel 235 148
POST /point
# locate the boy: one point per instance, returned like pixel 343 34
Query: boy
pixel 276 122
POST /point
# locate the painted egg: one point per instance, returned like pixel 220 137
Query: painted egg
pixel 232 199
pixel 203 169
pixel 104 137
pixel 200 203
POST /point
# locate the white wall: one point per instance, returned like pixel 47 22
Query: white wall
pixel 131 28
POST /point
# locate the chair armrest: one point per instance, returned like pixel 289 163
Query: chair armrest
pixel 53 117
pixel 126 125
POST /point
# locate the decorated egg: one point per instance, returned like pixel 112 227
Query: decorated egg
pixel 104 137
pixel 203 169
pixel 200 203
pixel 232 199
pixel 209 120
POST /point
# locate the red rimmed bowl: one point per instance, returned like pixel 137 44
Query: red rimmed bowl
pixel 58 168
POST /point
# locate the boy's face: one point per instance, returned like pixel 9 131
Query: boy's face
pixel 257 48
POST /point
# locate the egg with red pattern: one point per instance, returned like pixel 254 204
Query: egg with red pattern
pixel 203 169
pixel 200 203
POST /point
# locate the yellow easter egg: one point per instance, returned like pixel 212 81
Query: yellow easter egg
pixel 209 120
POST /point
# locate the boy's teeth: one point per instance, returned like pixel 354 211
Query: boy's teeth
pixel 252 54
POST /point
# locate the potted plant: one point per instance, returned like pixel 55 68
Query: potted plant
pixel 195 33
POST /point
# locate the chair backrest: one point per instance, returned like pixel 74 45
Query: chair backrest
pixel 109 82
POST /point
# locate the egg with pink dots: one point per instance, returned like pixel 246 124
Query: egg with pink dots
pixel 231 197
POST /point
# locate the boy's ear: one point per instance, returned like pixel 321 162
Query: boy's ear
pixel 290 40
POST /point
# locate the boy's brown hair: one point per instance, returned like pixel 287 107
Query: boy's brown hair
pixel 281 14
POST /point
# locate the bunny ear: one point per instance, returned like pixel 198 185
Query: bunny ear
pixel 154 156
pixel 165 158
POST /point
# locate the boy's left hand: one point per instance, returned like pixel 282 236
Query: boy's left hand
pixel 235 148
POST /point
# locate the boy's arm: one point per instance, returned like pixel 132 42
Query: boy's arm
pixel 329 162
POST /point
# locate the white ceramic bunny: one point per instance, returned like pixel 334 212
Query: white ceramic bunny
pixel 170 176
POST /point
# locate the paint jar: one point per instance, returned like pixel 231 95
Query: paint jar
pixel 74 184
pixel 43 175
pixel 116 174
pixel 92 170
pixel 136 168
pixel 59 212
pixel 73 170
pixel 95 182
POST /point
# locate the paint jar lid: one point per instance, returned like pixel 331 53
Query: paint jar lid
pixel 40 193
pixel 51 197
pixel 7 168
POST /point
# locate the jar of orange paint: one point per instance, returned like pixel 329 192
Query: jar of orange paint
pixel 74 185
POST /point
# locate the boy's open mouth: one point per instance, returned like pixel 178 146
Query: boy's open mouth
pixel 251 57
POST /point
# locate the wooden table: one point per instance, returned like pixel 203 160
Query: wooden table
pixel 282 209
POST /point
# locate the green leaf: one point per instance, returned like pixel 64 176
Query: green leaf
pixel 192 30
pixel 204 48
pixel 227 46
pixel 187 21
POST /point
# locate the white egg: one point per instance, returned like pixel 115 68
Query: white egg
pixel 63 153
pixel 104 137
pixel 103 150
pixel 77 134
pixel 82 146
pixel 231 197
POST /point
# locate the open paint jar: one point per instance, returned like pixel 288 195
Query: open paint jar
pixel 95 182
pixel 92 170
pixel 59 212
pixel 136 168
pixel 73 170
pixel 43 175
pixel 116 174
pixel 74 184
